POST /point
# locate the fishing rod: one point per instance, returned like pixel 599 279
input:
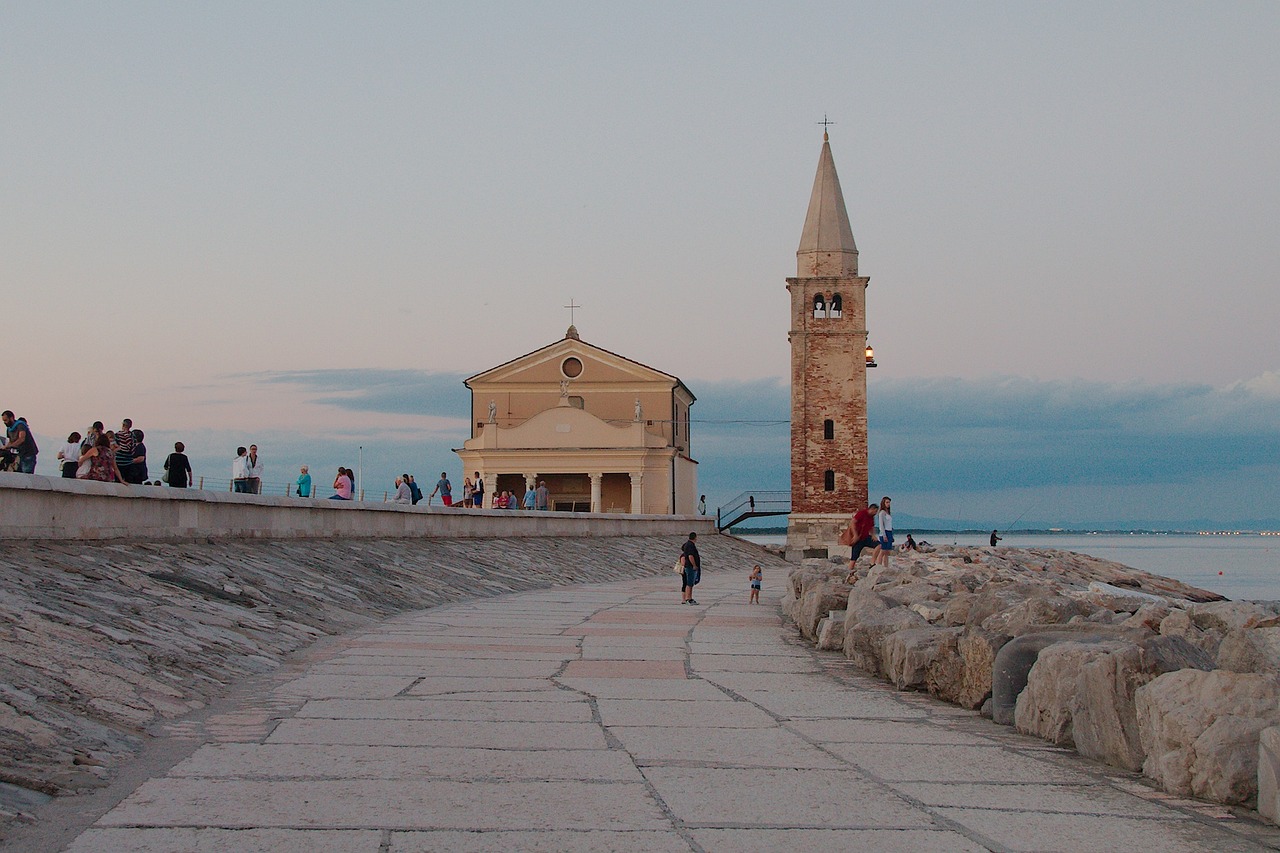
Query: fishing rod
pixel 1010 525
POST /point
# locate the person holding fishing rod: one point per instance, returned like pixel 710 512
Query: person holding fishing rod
pixel 1009 526
pixel 995 538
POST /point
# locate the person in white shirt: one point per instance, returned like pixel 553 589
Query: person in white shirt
pixel 404 494
pixel 255 470
pixel 241 474
pixel 884 527
pixel 69 456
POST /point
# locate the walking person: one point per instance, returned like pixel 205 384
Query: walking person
pixel 691 565
pixel 69 456
pixel 20 441
pixel 445 488
pixel 702 505
pixel 542 497
pixel 529 496
pixel 757 578
pixel 468 490
pixel 884 526
pixel 240 472
pixel 862 525
pixel 178 467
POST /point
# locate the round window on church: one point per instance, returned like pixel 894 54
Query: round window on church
pixel 571 367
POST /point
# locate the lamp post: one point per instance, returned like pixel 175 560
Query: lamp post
pixel 871 356
pixel 360 471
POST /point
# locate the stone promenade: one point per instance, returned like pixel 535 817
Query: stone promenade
pixel 611 717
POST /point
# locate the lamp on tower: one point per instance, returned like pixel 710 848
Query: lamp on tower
pixel 871 356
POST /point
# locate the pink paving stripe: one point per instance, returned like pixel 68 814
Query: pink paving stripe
pixel 625 669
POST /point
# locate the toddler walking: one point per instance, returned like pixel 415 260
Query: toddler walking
pixel 755 577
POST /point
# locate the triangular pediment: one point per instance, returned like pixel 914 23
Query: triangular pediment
pixel 598 365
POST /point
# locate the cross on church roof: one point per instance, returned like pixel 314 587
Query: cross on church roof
pixel 571 308
pixel 825 124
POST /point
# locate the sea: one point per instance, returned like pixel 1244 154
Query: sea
pixel 1244 566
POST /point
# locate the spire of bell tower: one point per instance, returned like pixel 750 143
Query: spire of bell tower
pixel 826 244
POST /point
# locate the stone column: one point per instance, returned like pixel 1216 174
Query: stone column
pixel 637 492
pixel 595 491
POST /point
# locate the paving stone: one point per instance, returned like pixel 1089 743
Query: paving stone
pixel 307 761
pixel 437 708
pixel 724 747
pixel 882 731
pixel 647 688
pixel 498 735
pixel 879 840
pixel 944 763
pixel 1081 799
pixel 589 841
pixel 168 840
pixel 1089 833
pixel 781 798
pixel 388 804
pixel 676 712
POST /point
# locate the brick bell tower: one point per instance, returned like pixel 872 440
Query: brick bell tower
pixel 828 373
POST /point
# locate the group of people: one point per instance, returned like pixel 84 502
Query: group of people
pixel 873 517
pixel 108 456
pixel 473 492
pixel 246 471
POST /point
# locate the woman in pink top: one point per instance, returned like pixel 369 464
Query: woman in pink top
pixel 342 486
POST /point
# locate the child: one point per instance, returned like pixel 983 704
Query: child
pixel 755 577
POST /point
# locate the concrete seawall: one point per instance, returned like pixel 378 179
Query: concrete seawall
pixel 37 507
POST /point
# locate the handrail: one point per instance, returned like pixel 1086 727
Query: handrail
pixel 753 504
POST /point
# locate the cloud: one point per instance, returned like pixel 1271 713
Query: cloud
pixel 398 392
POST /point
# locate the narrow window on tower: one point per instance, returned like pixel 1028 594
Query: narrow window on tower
pixel 819 306
pixel 829 480
pixel 837 307
pixel 828 429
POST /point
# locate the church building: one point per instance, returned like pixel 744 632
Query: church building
pixel 829 361
pixel 605 433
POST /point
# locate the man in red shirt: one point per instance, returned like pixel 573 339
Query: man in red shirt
pixel 864 522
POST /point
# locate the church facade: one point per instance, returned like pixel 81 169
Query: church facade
pixel 828 372
pixel 605 433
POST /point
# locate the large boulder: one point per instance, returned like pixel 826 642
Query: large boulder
pixel 865 630
pixel 1179 624
pixel 831 632
pixel 909 657
pixel 1224 616
pixel 820 598
pixel 1200 731
pixel 1269 774
pixel 1045 707
pixel 1104 717
pixel 1251 650
pixel 1035 612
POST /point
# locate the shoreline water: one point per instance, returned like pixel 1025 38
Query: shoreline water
pixel 1241 567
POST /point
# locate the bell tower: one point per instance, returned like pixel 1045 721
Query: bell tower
pixel 828 372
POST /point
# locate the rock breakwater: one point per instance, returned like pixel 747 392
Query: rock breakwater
pixel 1130 668
pixel 98 641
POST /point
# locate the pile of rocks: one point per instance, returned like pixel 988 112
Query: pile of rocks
pixel 100 640
pixel 1137 670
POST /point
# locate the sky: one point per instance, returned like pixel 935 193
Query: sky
pixel 303 224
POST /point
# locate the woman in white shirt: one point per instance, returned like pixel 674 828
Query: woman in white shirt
pixel 69 456
pixel 884 527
